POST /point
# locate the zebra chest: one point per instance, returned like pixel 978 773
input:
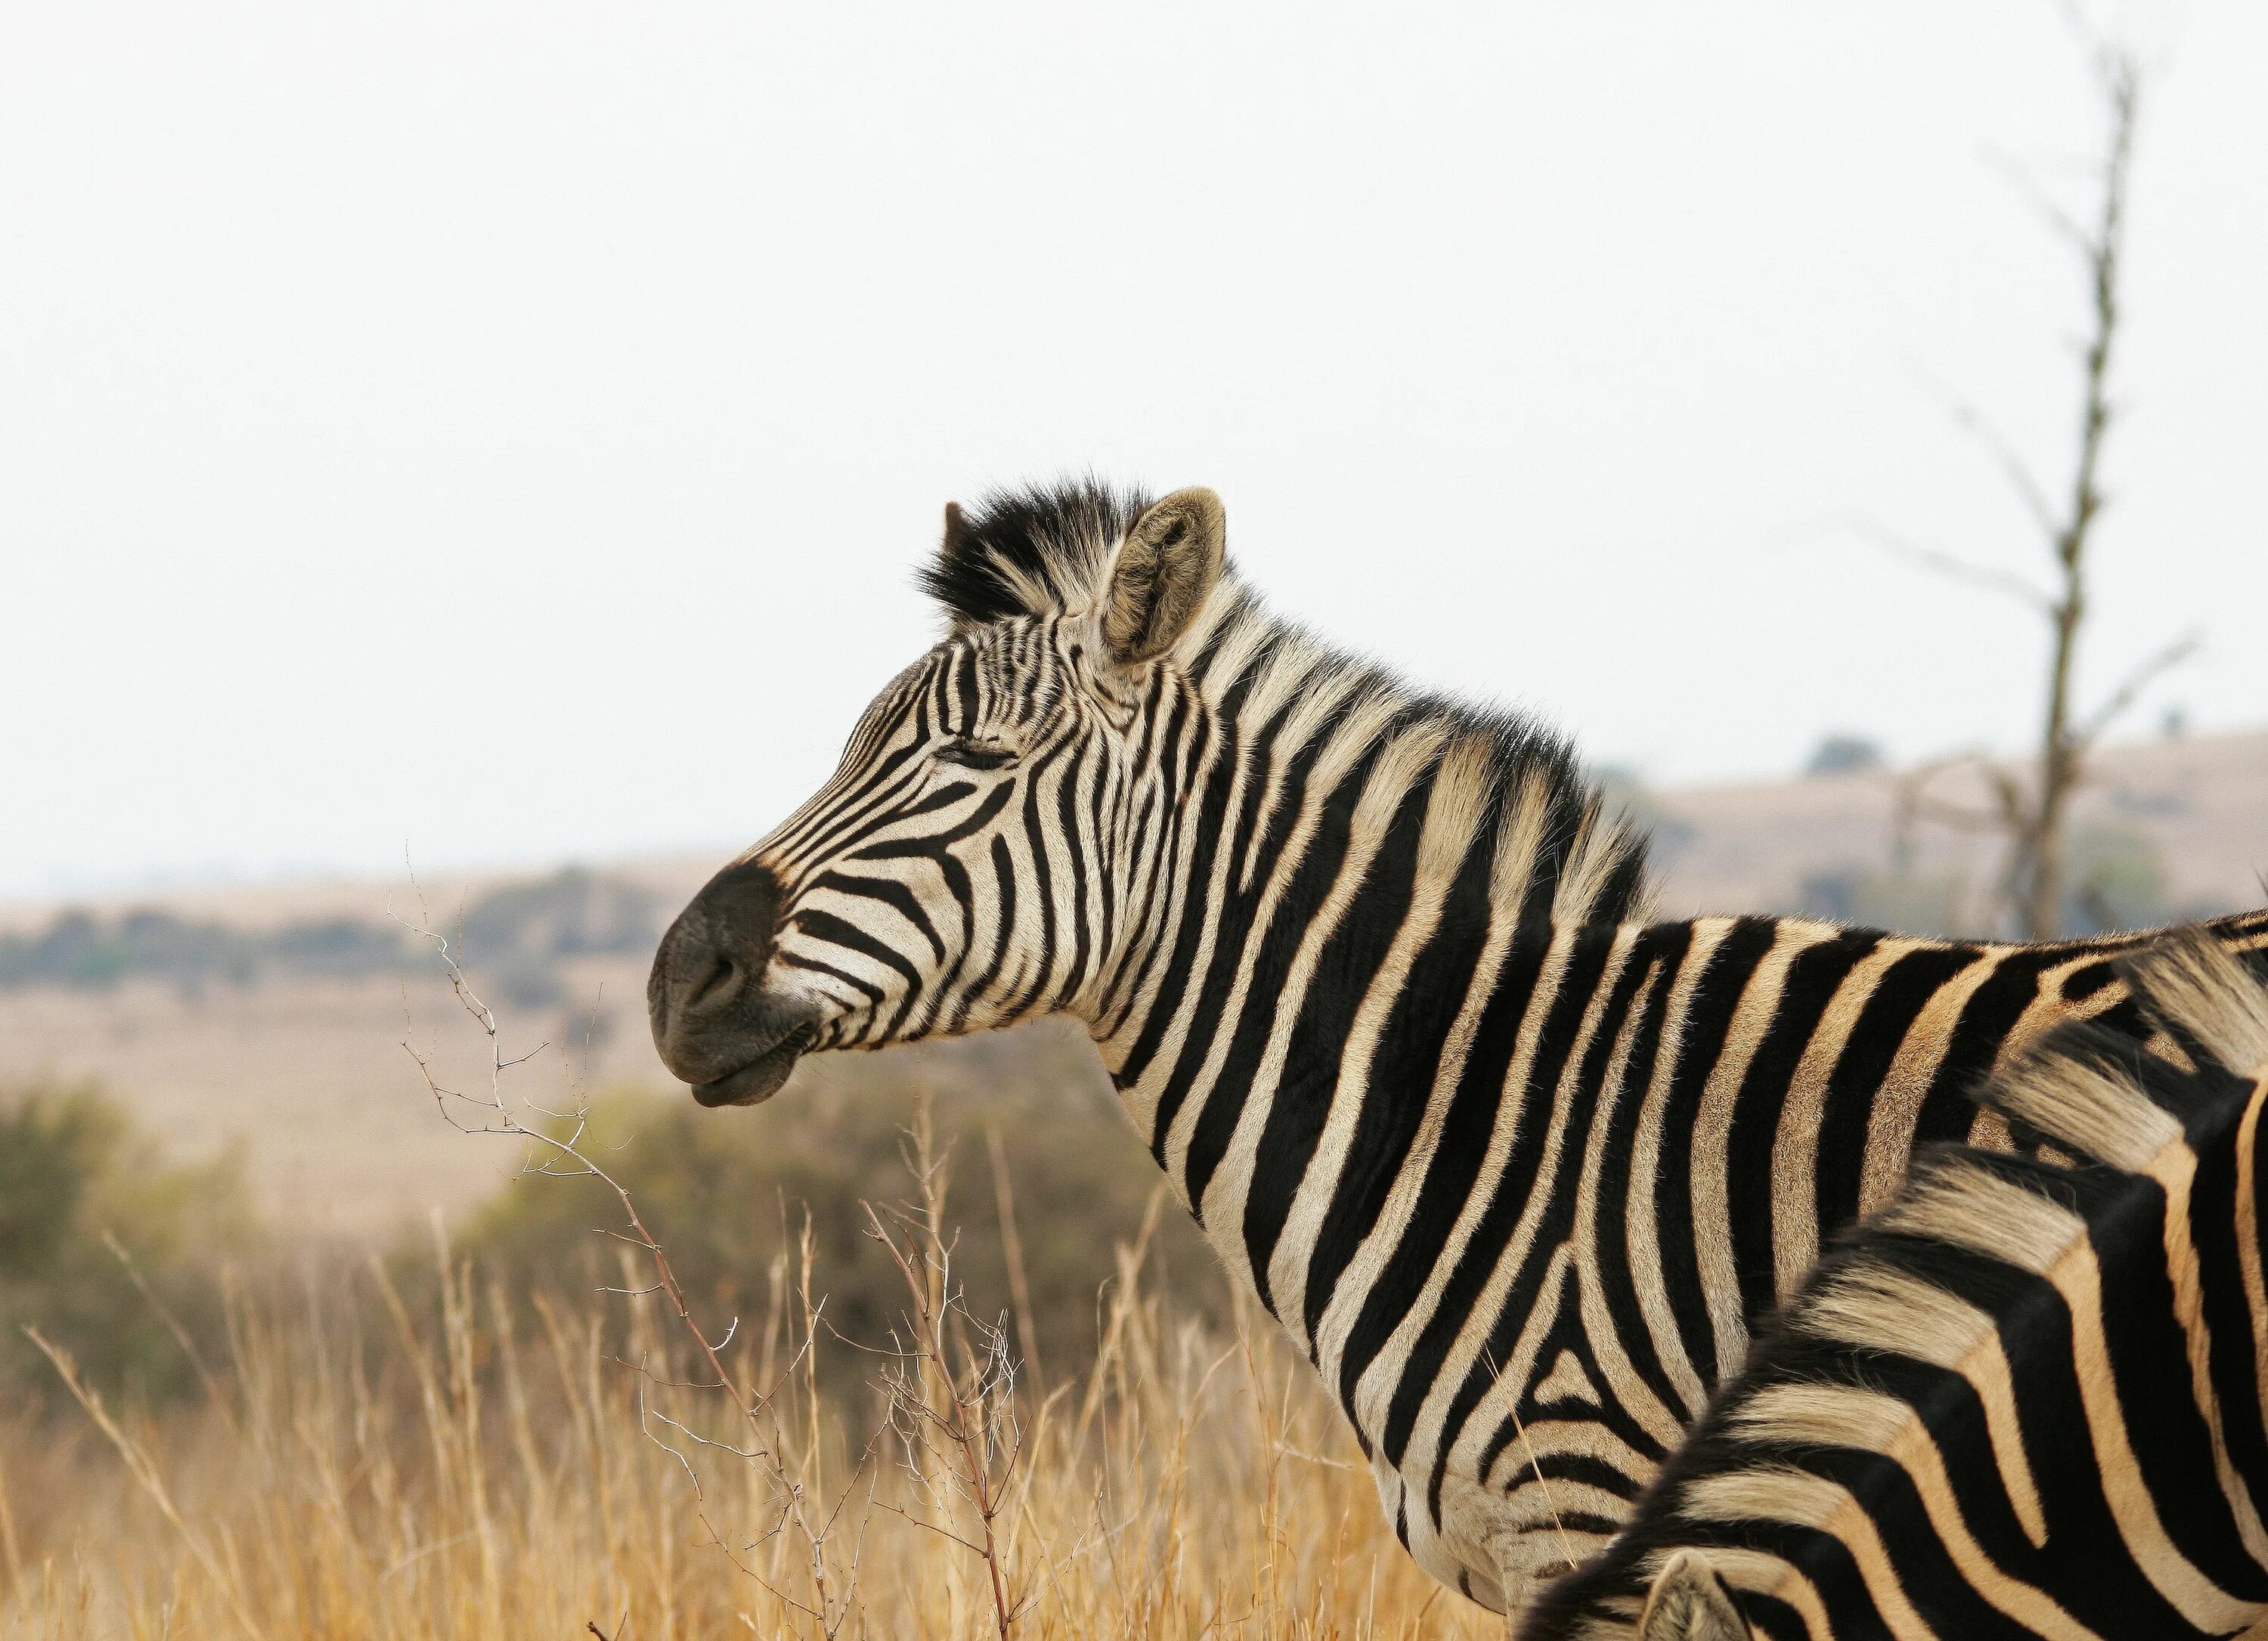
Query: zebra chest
pixel 1535 1434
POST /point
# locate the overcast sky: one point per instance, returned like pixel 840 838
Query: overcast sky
pixel 507 430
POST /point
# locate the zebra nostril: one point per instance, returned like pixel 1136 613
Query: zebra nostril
pixel 714 989
pixel 707 984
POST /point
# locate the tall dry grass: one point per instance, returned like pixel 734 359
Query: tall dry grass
pixel 378 1457
pixel 370 1461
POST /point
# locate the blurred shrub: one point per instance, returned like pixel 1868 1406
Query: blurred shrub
pixel 73 1166
pixel 515 938
pixel 1844 753
pixel 79 949
pixel 575 912
pixel 1904 902
pixel 725 1191
pixel 518 935
pixel 2117 879
pixel 2115 873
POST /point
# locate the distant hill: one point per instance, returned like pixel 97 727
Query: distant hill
pixel 274 1016
pixel 2179 826
pixel 277 1019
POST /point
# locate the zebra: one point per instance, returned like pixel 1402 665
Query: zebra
pixel 1518 1170
pixel 2024 1399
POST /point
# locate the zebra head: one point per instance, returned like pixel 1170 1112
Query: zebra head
pixel 978 856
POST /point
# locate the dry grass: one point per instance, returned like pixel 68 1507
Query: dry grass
pixel 377 1456
pixel 366 1464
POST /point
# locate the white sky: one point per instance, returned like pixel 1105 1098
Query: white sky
pixel 508 429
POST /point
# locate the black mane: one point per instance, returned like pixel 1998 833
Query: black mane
pixel 1046 549
pixel 1050 540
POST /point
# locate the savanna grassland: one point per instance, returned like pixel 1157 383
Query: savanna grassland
pixel 906 1366
pixel 361 1463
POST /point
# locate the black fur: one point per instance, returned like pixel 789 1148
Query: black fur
pixel 1049 534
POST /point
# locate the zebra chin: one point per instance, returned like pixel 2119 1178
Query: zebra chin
pixel 755 1082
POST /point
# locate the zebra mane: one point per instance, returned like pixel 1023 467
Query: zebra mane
pixel 1046 550
pixel 1564 852
pixel 1041 551
pixel 2082 1092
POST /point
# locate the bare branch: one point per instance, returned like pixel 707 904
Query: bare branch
pixel 2033 814
pixel 2065 225
pixel 2124 697
pixel 831 1604
pixel 644 1371
pixel 2028 488
pixel 1948 564
pixel 951 1401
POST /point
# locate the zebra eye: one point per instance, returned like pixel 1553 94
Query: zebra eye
pixel 969 754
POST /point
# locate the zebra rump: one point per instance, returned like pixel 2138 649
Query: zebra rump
pixel 2024 1399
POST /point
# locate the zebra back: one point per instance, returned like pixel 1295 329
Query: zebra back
pixel 2025 1399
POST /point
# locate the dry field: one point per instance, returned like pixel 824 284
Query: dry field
pixel 382 1456
pixel 412 1447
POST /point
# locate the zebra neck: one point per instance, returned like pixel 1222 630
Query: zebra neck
pixel 1342 853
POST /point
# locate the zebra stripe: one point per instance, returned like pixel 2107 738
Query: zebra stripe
pixel 2024 1398
pixel 1519 1171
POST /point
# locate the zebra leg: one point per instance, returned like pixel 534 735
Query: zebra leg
pixel 1690 1602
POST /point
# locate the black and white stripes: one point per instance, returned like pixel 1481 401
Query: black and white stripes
pixel 2024 1399
pixel 1519 1171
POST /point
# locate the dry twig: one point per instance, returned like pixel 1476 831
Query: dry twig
pixel 831 1596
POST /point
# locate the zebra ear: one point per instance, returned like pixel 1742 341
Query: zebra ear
pixel 1168 562
pixel 1690 1602
pixel 954 552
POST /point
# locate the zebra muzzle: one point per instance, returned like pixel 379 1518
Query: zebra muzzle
pixel 760 1079
pixel 717 1024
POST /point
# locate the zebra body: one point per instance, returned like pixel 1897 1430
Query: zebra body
pixel 1523 1307
pixel 1519 1171
pixel 2023 1400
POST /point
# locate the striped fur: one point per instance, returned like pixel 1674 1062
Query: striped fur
pixel 1519 1171
pixel 2023 1400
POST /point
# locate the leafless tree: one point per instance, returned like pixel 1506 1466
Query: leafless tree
pixel 2029 805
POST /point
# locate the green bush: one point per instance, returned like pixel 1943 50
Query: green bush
pixel 725 1191
pixel 2116 877
pixel 75 1176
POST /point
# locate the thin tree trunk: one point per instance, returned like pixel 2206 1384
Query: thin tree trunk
pixel 2063 751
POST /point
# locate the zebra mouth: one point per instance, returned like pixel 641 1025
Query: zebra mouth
pixel 760 1079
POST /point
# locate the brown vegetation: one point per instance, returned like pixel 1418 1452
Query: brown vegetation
pixel 540 1432
pixel 368 1463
